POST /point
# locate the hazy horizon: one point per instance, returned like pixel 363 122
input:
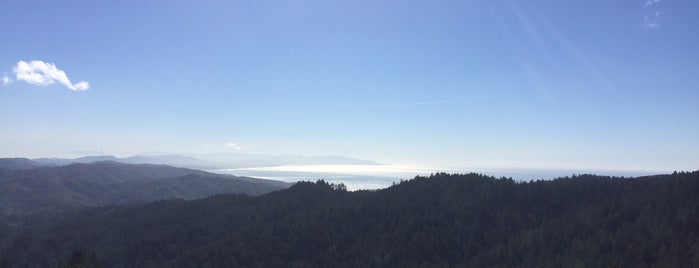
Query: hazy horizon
pixel 356 174
pixel 473 166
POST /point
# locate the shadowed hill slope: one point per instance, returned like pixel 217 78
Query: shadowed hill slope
pixel 55 189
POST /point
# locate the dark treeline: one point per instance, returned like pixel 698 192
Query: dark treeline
pixel 441 220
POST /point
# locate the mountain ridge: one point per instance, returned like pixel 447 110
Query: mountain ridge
pixel 203 161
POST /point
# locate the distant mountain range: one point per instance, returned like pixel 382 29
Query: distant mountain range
pixel 26 189
pixel 259 160
pixel 172 160
pixel 203 162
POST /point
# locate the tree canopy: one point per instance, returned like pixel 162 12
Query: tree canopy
pixel 440 220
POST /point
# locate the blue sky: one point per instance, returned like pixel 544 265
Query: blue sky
pixel 565 84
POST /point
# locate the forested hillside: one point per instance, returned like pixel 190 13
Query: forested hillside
pixel 441 220
pixel 55 189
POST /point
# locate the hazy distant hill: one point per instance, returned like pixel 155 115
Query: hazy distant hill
pixel 438 221
pixel 18 163
pixel 212 161
pixel 51 189
pixel 238 160
pixel 171 160
pixel 52 162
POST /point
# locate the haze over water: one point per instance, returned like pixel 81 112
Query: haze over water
pixel 366 177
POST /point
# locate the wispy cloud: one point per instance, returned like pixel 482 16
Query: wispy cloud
pixel 43 74
pixel 6 80
pixel 651 2
pixel 235 147
pixel 651 22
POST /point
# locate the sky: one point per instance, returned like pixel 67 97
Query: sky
pixel 479 84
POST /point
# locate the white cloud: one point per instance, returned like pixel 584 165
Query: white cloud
pixel 235 147
pixel 6 80
pixel 82 85
pixel 45 73
pixel 651 22
pixel 651 2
